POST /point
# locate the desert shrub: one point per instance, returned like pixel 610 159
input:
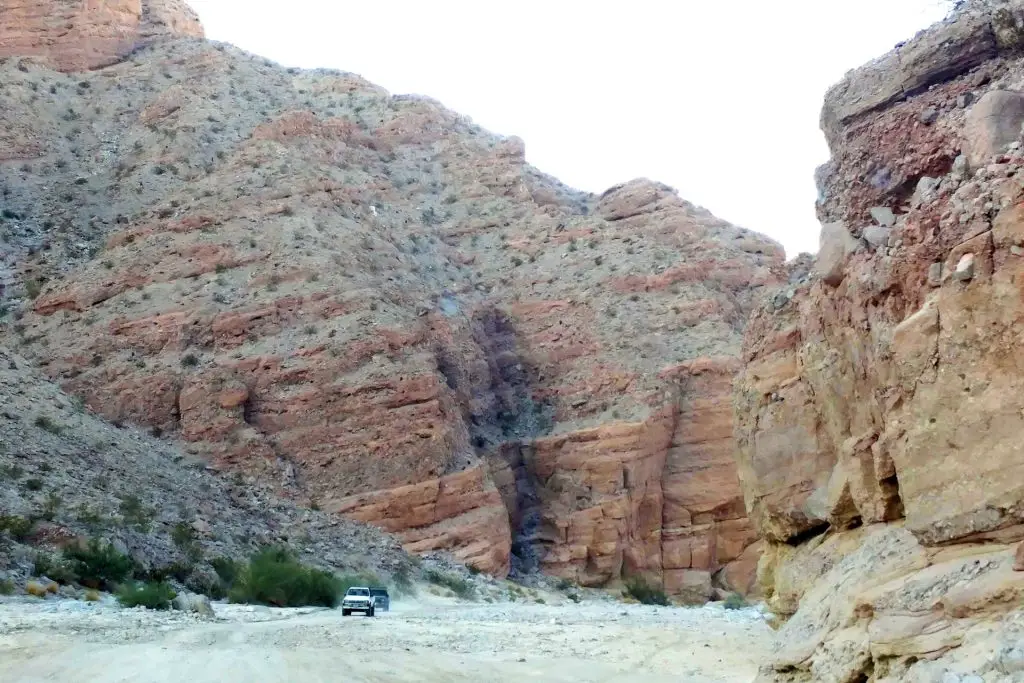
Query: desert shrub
pixel 211 587
pixel 136 514
pixel 735 601
pixel 36 589
pixel 575 597
pixel 98 565
pixel 51 506
pixel 638 589
pixel 458 585
pixel 228 570
pixel 45 422
pixel 346 581
pixel 18 527
pixel 92 595
pixel 151 595
pixel 563 584
pixel 402 578
pixel 274 577
pixel 6 586
pixel 184 537
pixel 53 568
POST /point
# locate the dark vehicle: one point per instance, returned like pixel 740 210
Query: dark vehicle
pixel 381 599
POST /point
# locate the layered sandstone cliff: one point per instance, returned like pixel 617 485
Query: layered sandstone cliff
pixel 384 311
pixel 75 36
pixel 880 410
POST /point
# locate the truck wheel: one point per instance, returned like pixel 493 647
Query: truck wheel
pixel 370 612
pixel 346 612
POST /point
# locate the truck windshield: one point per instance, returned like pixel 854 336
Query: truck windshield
pixel 358 591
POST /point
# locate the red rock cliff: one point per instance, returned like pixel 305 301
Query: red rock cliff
pixel 879 410
pixel 75 36
pixel 383 310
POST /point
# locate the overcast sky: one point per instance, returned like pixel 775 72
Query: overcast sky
pixel 719 99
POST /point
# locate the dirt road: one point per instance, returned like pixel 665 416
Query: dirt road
pixel 417 641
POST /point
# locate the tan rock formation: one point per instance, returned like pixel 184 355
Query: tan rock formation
pixel 375 306
pixel 879 408
pixel 76 36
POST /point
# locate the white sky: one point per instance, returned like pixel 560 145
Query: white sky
pixel 719 99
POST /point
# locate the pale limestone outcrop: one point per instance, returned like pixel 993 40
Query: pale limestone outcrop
pixel 879 409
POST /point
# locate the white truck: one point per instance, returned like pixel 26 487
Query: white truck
pixel 358 599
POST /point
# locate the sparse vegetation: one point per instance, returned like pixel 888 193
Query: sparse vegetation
pixel 18 527
pixel 184 538
pixel 189 360
pixel 136 514
pixel 735 601
pixel 274 577
pixel 51 506
pixel 47 423
pixel 456 584
pixel 151 595
pixel 6 587
pixel 643 592
pixel 98 565
pixel 53 568
pixel 37 589
pixel 228 570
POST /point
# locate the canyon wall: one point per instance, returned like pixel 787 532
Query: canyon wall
pixel 381 310
pixel 75 36
pixel 879 409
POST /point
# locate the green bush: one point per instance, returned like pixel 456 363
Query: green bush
pixel 98 565
pixel 563 584
pixel 6 587
pixel 53 568
pixel 151 595
pixel 184 538
pixel 638 589
pixel 402 578
pixel 136 514
pixel 274 577
pixel 227 569
pixel 735 601
pixel 458 585
pixel 346 581
pixel 18 527
pixel 45 422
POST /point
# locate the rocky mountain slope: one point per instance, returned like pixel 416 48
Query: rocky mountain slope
pixel 377 308
pixel 879 409
pixel 80 477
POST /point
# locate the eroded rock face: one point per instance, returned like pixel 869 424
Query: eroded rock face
pixel 886 394
pixel 380 309
pixel 76 36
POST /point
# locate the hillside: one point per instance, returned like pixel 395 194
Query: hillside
pixel 375 307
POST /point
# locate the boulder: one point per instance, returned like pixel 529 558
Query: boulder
pixel 836 246
pixel 992 124
pixel 193 602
